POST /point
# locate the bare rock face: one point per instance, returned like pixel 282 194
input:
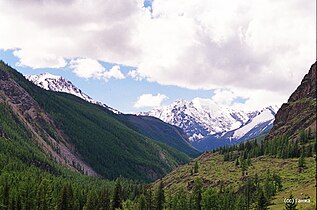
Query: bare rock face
pixel 300 110
pixel 307 88
pixel 33 118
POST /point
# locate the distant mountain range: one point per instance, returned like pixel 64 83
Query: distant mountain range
pixel 259 124
pixel 206 124
pixel 209 125
pixel 199 118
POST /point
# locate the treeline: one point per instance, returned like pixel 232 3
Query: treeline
pixel 279 147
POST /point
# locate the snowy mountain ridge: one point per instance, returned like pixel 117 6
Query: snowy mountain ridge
pixel 260 123
pixel 266 115
pixel 55 83
pixel 200 118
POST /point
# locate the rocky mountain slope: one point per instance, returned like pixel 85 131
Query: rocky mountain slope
pixel 38 122
pixel 300 110
pixel 55 83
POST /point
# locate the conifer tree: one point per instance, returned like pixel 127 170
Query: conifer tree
pixel 90 202
pixel 180 200
pixel 42 203
pixel 262 202
pixel 303 136
pixel 240 203
pixel 104 199
pixel 196 167
pixel 141 202
pixel 269 187
pixel 65 201
pixel 226 156
pixel 159 197
pixel 210 199
pixel 117 196
pixel 237 162
pixel 301 161
pixel 197 194
pixel 148 197
pixel 277 182
pixel 249 161
pixel 6 194
pixel 243 165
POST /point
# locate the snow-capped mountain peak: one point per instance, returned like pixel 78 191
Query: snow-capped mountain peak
pixel 200 117
pixel 55 83
pixel 203 117
pixel 260 122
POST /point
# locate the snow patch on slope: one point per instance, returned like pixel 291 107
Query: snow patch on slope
pixel 264 116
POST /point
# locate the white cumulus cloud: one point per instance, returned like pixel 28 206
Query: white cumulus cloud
pixel 135 75
pixel 36 60
pixel 224 97
pixel 89 68
pixel 243 99
pixel 264 46
pixel 114 72
pixel 149 100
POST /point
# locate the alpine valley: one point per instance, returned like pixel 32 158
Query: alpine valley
pixel 206 124
pixel 60 149
pixel 88 137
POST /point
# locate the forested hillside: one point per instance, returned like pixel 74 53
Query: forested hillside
pixel 84 136
pixel 31 180
pixel 34 144
pixel 156 129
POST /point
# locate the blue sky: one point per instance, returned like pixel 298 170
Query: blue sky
pixel 119 94
pixel 148 3
pixel 135 55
